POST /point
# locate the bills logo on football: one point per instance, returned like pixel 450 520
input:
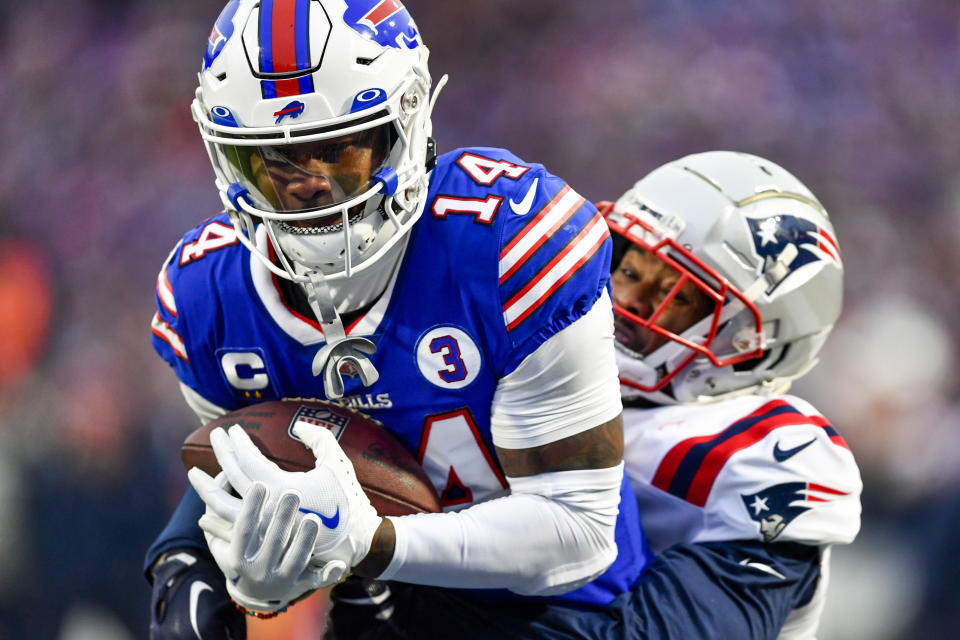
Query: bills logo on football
pixel 319 416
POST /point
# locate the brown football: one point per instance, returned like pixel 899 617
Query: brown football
pixel 389 475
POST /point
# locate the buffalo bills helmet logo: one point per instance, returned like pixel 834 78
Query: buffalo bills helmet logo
pixel 772 235
pixel 221 32
pixel 386 22
pixel 294 109
pixel 775 507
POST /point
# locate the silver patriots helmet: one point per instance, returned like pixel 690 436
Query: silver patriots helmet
pixel 760 252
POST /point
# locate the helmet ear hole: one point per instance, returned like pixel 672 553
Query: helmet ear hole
pixel 751 364
pixel 769 359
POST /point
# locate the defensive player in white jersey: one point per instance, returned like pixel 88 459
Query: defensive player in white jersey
pixel 461 299
pixel 727 279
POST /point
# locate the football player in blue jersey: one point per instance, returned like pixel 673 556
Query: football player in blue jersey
pixel 727 279
pixel 462 300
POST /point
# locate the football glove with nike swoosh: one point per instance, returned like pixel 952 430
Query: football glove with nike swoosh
pixel 189 600
pixel 328 496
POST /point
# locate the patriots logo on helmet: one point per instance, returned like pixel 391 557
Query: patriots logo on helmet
pixel 772 235
pixel 294 109
pixel 386 22
pixel 775 507
pixel 221 32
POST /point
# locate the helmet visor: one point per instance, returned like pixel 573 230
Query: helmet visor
pixel 306 176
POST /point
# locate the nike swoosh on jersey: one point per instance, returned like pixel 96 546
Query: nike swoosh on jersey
pixel 762 567
pixel 196 588
pixel 330 522
pixel 522 208
pixel 783 454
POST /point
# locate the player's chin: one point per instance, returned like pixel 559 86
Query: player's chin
pixel 317 223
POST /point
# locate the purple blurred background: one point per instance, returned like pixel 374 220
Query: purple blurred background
pixel 103 169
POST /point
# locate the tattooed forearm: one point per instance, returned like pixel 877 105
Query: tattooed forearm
pixel 381 551
pixel 597 448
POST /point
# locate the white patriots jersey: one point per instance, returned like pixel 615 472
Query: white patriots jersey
pixel 767 468
pixel 505 256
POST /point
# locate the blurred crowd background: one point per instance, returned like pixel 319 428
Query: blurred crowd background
pixel 102 170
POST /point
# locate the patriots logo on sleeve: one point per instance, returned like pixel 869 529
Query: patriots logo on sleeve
pixel 772 235
pixel 386 22
pixel 777 506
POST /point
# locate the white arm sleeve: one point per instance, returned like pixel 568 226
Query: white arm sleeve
pixel 204 409
pixel 554 533
pixel 568 385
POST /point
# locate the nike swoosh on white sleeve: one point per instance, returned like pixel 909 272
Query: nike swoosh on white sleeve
pixel 196 588
pixel 522 208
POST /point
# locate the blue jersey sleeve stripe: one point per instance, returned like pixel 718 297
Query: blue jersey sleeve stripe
pixel 525 242
pixel 557 272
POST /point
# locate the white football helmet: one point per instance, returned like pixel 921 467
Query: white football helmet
pixel 316 116
pixel 757 247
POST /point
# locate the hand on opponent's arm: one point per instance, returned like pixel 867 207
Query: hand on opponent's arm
pixel 189 599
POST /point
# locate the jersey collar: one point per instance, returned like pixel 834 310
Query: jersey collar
pixel 301 328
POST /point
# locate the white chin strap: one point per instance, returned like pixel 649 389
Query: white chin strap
pixel 331 250
pixel 364 287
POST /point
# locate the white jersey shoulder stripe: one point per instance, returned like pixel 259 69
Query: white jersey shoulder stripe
pixel 165 292
pixel 554 215
pixel 563 266
pixel 163 331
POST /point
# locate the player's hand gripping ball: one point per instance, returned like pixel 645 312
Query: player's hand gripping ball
pixel 390 476
pixel 292 531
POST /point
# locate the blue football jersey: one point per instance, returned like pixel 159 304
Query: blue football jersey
pixel 504 256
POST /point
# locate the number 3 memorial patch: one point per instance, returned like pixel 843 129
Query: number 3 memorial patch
pixel 448 357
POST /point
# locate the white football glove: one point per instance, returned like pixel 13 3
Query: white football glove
pixel 329 495
pixel 266 567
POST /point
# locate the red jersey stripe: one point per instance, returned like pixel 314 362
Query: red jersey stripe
pixel 668 466
pixel 554 274
pixel 714 461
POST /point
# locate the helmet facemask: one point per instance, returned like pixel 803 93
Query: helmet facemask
pixel 676 305
pixel 333 199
